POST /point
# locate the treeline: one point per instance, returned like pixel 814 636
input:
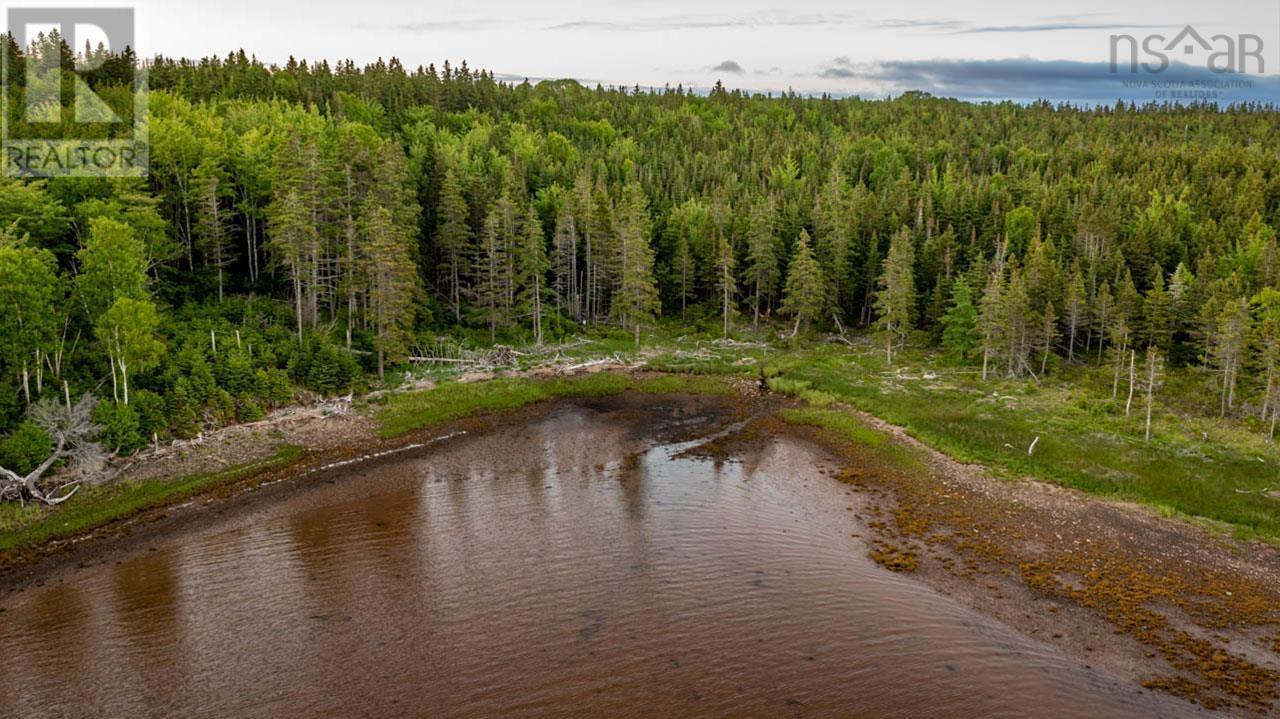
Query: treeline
pixel 305 225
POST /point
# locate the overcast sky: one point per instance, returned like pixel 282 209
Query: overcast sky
pixel 1004 49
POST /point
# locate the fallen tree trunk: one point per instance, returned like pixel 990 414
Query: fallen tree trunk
pixel 72 431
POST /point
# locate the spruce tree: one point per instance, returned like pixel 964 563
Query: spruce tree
pixel 211 234
pixel 959 336
pixel 1157 313
pixel 392 282
pixel 636 301
pixel 454 240
pixel 804 296
pixel 726 285
pixel 532 266
pixel 1076 310
pixel 761 269
pixel 896 294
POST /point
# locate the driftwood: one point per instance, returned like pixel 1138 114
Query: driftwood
pixel 587 365
pixel 842 337
pixel 72 431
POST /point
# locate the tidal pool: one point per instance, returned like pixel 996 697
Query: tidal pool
pixel 583 562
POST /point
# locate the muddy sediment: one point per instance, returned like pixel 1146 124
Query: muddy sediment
pixel 1168 608
pixel 1175 608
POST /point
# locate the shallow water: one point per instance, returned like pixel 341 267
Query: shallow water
pixel 580 564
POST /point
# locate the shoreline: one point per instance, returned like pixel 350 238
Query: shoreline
pixel 1165 603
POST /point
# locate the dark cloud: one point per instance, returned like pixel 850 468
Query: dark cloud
pixel 838 73
pixel 1023 79
pixel 728 66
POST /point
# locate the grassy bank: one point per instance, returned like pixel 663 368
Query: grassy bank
pixel 1194 467
pixel 843 425
pixel 1191 468
pixel 403 413
pixel 94 506
pixel 22 527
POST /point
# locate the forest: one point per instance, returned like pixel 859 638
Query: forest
pixel 306 228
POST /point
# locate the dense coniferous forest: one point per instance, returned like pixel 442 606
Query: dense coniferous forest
pixel 306 226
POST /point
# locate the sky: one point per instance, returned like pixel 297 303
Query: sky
pixel 1003 49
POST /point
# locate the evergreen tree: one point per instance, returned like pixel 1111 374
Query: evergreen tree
pixel 804 296
pixel 211 236
pixel 392 282
pixel 726 286
pixel 991 319
pixel 959 338
pixel 532 264
pixel 761 269
pixel 1157 313
pixel 1076 310
pixel 1267 328
pixel 1153 371
pixel 564 260
pixel 1227 351
pixel 489 288
pixel 636 300
pixel 1048 335
pixel 289 223
pixel 832 245
pixel 453 240
pixel 683 268
pixel 896 294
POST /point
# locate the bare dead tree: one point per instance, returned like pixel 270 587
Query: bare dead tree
pixel 73 433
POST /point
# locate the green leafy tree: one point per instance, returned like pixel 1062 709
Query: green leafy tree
pixel 128 330
pixel 30 292
pixel 113 264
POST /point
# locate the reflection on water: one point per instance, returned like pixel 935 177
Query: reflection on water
pixel 577 565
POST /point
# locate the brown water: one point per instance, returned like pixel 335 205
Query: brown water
pixel 576 565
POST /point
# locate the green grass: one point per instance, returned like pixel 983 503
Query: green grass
pixel 1195 467
pixel 96 506
pixel 873 442
pixel 1086 442
pixel 403 413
